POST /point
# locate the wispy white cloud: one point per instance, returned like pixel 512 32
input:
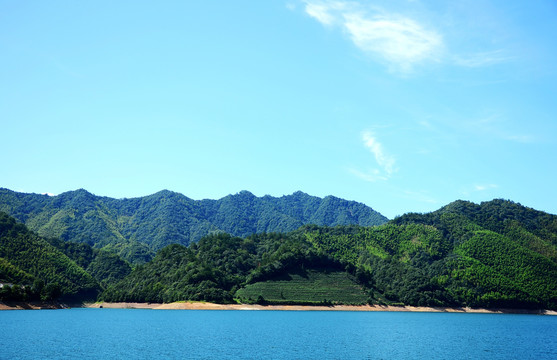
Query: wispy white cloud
pixel 484 187
pixel 324 12
pixel 470 190
pixel 401 42
pixel 482 59
pixel 398 41
pixel 385 161
pixel 370 176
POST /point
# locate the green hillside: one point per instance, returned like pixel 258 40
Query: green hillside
pixel 37 268
pixel 136 228
pixel 493 254
pixel 496 254
pixel 104 266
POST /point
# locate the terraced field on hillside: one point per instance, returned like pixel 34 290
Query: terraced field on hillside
pixel 307 287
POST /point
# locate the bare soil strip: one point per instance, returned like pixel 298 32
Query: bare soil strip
pixel 212 306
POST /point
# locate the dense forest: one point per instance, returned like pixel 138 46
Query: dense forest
pixel 35 268
pixel 136 228
pixel 31 268
pixel 494 254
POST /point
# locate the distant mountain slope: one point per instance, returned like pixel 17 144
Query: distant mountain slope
pixel 134 228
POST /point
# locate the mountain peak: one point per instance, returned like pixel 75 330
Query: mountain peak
pixel 73 195
pixel 245 193
pixel 166 192
pixel 79 191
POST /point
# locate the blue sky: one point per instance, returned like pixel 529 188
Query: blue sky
pixel 401 105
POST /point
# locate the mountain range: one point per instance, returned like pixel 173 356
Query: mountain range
pixel 136 228
pixel 494 254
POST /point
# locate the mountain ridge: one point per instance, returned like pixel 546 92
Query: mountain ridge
pixel 137 227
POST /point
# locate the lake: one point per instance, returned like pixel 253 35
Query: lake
pixel 206 334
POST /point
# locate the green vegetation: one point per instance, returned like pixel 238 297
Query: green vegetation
pixel 136 228
pixel 105 267
pixel 212 269
pixel 35 269
pixel 306 287
pixel 496 254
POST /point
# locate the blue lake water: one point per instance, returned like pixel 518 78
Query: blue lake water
pixel 205 334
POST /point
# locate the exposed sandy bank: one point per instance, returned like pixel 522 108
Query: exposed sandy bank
pixel 211 306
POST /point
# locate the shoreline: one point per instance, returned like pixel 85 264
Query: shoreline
pixel 213 306
pixel 32 305
pixel 363 308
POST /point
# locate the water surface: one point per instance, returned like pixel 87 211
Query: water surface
pixel 206 334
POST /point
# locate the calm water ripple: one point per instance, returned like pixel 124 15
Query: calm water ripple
pixel 205 334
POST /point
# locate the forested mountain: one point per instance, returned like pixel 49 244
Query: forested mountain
pixel 136 228
pixel 493 254
pixel 496 254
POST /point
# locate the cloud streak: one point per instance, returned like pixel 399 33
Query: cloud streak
pixel 323 12
pixel 371 176
pixel 385 161
pixel 398 41
pixel 482 59
pixel 484 187
pixel 401 42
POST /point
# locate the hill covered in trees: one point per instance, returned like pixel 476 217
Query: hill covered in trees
pixel 35 268
pixel 136 228
pixel 497 254
pixel 31 268
pixel 494 254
